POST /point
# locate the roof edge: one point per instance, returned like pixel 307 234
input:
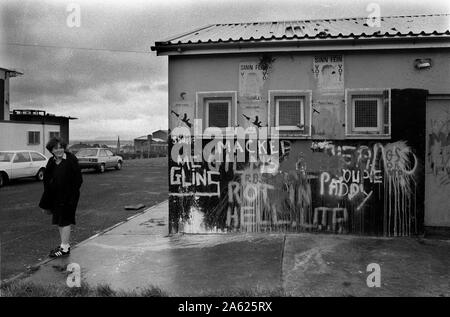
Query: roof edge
pixel 305 45
pixel 168 39
pixel 178 39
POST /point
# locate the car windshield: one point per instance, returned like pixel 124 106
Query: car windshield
pixel 87 152
pixel 6 156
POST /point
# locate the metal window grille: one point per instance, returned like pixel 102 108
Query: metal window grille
pixel 218 114
pixel 290 113
pixel 366 113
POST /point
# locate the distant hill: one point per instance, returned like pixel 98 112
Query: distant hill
pixel 111 143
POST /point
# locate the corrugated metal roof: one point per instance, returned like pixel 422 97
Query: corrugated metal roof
pixel 390 27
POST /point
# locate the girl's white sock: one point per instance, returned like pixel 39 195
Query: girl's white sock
pixel 65 247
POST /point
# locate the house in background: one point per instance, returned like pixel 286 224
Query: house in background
pixel 160 134
pixel 27 129
pixel 127 149
pixel 362 114
pixel 152 145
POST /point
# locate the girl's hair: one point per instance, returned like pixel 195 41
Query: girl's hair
pixel 54 142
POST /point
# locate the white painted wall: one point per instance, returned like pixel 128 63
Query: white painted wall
pixel 14 136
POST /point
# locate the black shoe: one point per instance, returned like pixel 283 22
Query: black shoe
pixel 55 249
pixel 58 252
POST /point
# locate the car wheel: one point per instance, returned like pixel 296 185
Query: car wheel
pixel 40 175
pixel 119 165
pixel 101 168
pixel 3 179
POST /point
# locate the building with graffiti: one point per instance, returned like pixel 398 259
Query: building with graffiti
pixel 334 125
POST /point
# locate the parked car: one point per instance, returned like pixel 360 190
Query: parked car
pixel 21 164
pixel 99 158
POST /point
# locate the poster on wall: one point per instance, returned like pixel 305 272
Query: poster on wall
pixel 329 72
pixel 182 115
pixel 328 97
pixel 251 82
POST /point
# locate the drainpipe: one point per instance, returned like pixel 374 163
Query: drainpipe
pixel 43 136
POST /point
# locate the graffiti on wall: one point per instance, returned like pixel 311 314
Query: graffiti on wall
pixel 439 150
pixel 252 78
pixel 438 164
pixel 320 186
pixel 181 114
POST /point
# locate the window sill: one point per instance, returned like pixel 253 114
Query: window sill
pixel 293 135
pixel 368 136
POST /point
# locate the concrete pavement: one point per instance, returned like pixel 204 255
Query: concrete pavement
pixel 103 197
pixel 139 253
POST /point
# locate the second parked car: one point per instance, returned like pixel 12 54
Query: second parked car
pixel 99 158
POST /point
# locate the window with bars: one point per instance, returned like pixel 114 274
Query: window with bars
pixel 218 113
pixel 368 112
pixel 34 137
pixel 289 114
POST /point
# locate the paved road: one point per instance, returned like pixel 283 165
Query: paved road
pixel 27 235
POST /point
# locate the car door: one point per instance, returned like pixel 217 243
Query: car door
pixel 38 161
pixel 6 159
pixel 111 158
pixel 103 157
pixel 22 165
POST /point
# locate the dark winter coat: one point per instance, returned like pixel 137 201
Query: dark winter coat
pixel 71 189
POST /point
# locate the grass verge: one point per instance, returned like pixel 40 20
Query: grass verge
pixel 28 289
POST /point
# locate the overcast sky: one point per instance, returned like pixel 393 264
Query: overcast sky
pixel 107 76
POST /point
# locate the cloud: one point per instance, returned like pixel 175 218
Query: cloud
pixel 104 72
